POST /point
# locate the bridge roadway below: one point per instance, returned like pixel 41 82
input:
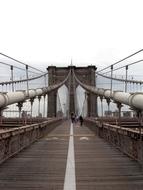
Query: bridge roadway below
pixel 98 165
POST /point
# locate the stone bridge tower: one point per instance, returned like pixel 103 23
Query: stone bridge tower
pixel 84 74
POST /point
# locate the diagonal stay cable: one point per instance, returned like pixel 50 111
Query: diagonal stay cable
pixel 20 62
pixel 120 60
pixel 124 66
pixel 3 63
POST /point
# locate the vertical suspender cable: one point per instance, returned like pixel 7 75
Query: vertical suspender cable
pixel 44 105
pixel 12 77
pixel 111 78
pixel 126 78
pixel 27 79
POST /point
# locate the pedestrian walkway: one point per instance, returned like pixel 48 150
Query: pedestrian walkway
pixel 100 166
pixel 78 157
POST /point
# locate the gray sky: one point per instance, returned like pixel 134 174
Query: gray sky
pixel 52 32
pixel 45 32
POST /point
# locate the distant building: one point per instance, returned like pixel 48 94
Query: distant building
pixel 108 113
pixel 127 114
pixel 115 113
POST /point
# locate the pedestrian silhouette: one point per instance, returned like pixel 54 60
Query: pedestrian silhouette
pixel 81 120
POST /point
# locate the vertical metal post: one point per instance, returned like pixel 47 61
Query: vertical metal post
pixel 119 106
pixel 19 112
pixel 27 79
pixel 111 79
pixel 108 103
pixel 44 105
pixel 31 101
pixel 119 116
pixel 39 98
pixel 11 67
pixel 20 105
pixel 31 108
pixel 126 78
pixel 101 99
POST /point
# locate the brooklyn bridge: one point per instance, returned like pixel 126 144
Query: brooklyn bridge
pixel 41 148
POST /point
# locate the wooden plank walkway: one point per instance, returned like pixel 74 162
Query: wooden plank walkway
pixel 98 165
pixel 39 167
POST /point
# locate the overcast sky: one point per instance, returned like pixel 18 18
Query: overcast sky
pixel 45 32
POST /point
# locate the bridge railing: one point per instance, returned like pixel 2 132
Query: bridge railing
pixel 14 140
pixel 128 141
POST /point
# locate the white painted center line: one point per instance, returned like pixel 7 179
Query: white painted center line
pixel 70 181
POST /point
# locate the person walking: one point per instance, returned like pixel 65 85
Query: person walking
pixel 81 120
pixel 72 117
